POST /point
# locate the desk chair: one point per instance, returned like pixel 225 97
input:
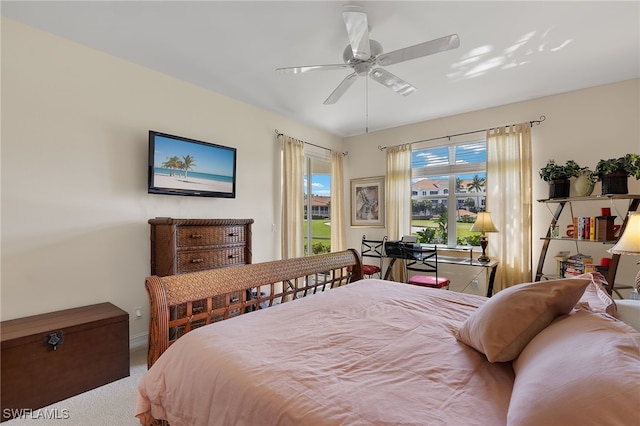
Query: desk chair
pixel 372 249
pixel 424 260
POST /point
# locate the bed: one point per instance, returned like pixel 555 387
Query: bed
pixel 376 352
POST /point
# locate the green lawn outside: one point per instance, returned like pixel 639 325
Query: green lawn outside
pixel 322 231
pixel 462 229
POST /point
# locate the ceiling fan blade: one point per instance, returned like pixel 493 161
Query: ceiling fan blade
pixel 419 50
pixel 307 68
pixel 391 81
pixel 341 89
pixel 358 31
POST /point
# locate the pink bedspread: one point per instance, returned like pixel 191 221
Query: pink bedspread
pixel 373 352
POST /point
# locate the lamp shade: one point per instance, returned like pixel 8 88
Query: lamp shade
pixel 629 242
pixel 483 223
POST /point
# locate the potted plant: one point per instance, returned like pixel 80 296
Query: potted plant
pixel 558 177
pixel 614 173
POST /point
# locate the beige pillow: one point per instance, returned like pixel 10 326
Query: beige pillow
pixel 504 324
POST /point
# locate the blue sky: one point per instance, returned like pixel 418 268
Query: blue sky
pixel 321 185
pixel 467 153
pixel 472 152
pixel 207 158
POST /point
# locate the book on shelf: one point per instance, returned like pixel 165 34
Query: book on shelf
pixel 593 228
pixel 605 228
pixel 571 266
pixel 560 258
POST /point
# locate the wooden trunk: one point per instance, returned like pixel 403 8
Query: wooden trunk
pixel 93 350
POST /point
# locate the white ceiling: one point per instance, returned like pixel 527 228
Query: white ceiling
pixel 509 51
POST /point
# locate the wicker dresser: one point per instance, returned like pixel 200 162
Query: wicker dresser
pixel 188 245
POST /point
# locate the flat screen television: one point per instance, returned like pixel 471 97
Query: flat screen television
pixel 183 166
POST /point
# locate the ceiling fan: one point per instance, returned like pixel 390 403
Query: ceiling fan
pixel 364 56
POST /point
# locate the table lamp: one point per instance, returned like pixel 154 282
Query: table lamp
pixel 629 241
pixel 483 224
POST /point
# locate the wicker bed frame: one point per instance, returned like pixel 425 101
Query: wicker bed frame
pixel 181 303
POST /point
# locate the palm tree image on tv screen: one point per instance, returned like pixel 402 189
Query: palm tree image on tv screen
pixel 192 167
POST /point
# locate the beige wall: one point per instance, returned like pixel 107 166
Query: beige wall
pixel 585 125
pixel 74 171
pixel 74 155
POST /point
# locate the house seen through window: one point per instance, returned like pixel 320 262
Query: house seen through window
pixel 317 200
pixel 447 191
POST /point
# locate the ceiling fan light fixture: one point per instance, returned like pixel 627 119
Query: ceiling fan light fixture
pixel 362 68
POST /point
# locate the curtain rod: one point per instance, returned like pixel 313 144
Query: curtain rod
pixel 532 122
pixel 312 144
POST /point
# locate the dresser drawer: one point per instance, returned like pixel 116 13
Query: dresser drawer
pixel 195 236
pixel 197 260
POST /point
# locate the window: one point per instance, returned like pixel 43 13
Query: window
pixel 454 177
pixel 317 200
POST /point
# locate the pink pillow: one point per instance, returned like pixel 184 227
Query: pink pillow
pixel 582 369
pixel 596 298
pixel 504 324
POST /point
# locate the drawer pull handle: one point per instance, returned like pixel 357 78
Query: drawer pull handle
pixel 233 234
pixel 196 235
pixel 54 339
pixel 233 256
pixel 200 260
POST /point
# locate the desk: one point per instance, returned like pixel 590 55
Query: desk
pixel 491 266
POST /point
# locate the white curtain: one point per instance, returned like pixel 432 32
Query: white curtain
pixel 398 197
pixel 292 197
pixel 509 200
pixel 338 233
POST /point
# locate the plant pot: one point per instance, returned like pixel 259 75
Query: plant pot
pixel 615 183
pixel 559 188
pixel 583 185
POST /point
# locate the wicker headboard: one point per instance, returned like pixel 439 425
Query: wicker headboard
pixel 180 303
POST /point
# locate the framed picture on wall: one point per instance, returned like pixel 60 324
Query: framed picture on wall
pixel 367 202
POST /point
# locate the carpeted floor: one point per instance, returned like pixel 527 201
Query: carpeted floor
pixel 109 405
